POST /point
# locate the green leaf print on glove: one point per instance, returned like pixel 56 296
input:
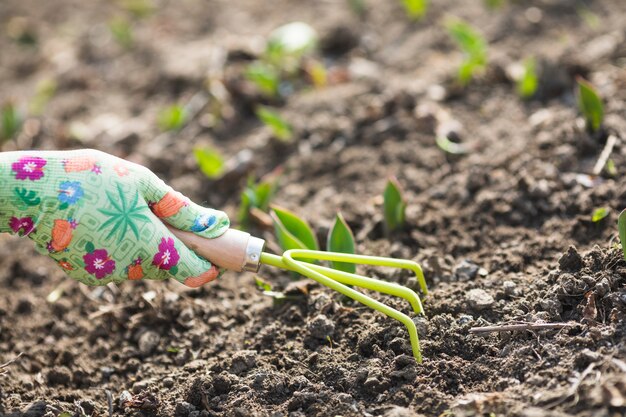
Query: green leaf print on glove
pixel 100 217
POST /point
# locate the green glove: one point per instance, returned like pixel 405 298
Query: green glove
pixel 99 217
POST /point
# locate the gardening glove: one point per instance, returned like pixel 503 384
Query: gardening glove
pixel 99 217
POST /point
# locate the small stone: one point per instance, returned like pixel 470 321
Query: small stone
pixel 465 271
pixel 242 361
pixel 37 409
pixel 184 409
pixel 510 288
pixel 321 327
pixel 571 261
pixel 59 376
pixel 148 342
pixel 140 386
pixel 479 299
pixel 168 382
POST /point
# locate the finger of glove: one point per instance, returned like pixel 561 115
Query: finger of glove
pixel 179 211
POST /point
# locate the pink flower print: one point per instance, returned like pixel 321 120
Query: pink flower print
pixel 24 226
pixel 98 263
pixel 121 170
pixel 29 167
pixel 96 169
pixel 167 257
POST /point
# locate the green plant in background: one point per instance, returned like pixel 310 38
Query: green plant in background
pixel 46 89
pixel 292 232
pixel 287 44
pixel 494 4
pixel 210 161
pixel 599 214
pixel 394 205
pixel 11 122
pixel 341 239
pixel 358 7
pixel 621 225
pixel 527 84
pixel 415 9
pixel 590 105
pixel 138 8
pixel 172 118
pixel 265 77
pixel 474 47
pixel 279 127
pixel 256 195
pixel 122 31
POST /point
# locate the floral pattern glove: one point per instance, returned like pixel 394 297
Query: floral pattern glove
pixel 99 217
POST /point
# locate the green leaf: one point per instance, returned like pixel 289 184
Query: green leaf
pixel 394 205
pixel 590 105
pixel 621 225
pixel 450 147
pixel 27 197
pixel 279 127
pixel 415 9
pixel 610 168
pixel 494 4
pixel 210 162
pixel 173 349
pixel 341 239
pixel 172 118
pixel 599 214
pixel 11 122
pixel 122 31
pixel 527 84
pixel 174 270
pixel 473 45
pixel 65 414
pixel 89 247
pixel 262 284
pixel 265 77
pixel 291 231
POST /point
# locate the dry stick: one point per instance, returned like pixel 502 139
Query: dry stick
pixel 518 327
pixel 4 365
pixel 604 156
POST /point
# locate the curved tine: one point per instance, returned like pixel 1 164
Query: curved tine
pixel 372 284
pixel 368 260
pixel 305 270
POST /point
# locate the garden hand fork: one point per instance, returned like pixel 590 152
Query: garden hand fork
pixel 239 251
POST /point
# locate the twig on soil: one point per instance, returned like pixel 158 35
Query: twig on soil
pixel 4 365
pixel 604 156
pixel 519 327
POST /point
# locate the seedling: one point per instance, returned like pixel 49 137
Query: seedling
pixel 610 168
pixel 292 232
pixel 11 122
pixel 394 205
pixel 256 195
pixel 265 77
pixel 122 31
pixel 599 214
pixel 317 73
pixel 590 105
pixel 341 239
pixel 279 127
pixel 415 9
pixel 450 147
pixel 527 84
pixel 172 118
pixel 210 162
pixel 474 48
pixel 46 89
pixel 621 226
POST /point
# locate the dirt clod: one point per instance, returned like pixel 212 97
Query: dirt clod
pixel 479 299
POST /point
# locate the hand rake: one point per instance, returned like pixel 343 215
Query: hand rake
pixel 238 251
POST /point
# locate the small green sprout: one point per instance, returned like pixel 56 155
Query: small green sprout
pixel 46 89
pixel 173 349
pixel 527 84
pixel 138 8
pixel 341 239
pixel 279 127
pixel 446 145
pixel 621 225
pixel 291 231
pixel 599 214
pixel 256 195
pixel 172 118
pixel 494 4
pixel 590 105
pixel 317 73
pixel 210 161
pixel 474 47
pixel 11 122
pixel 122 31
pixel 262 284
pixel 394 205
pixel 415 9
pixel 265 77
pixel 610 168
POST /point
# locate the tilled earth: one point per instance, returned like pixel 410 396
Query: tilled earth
pixel 503 232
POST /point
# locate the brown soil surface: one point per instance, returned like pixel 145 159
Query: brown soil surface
pixel 516 205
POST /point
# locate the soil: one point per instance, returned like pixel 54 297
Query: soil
pixel 503 232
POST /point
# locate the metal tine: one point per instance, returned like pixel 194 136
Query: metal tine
pixel 309 271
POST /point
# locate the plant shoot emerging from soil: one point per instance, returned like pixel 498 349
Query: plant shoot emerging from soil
pixel 590 105
pixel 341 239
pixel 256 195
pixel 527 84
pixel 210 161
pixel 11 122
pixel 599 214
pixel 292 232
pixel 474 48
pixel 394 205
pixel 172 118
pixel 621 225
pixel 415 9
pixel 279 126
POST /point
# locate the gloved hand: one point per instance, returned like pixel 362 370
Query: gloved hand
pixel 99 217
